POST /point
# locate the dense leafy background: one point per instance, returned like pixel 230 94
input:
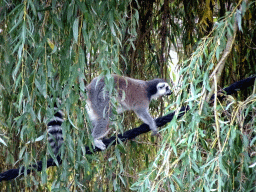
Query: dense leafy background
pixel 54 48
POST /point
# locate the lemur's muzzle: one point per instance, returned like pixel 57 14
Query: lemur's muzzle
pixel 168 91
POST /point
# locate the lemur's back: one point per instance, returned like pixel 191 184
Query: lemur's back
pixel 134 90
pixel 129 91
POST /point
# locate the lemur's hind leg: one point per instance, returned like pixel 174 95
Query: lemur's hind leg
pixel 102 109
pixel 100 130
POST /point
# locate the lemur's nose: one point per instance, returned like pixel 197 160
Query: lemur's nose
pixel 168 91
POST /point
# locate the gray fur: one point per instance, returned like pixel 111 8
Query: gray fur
pixel 138 94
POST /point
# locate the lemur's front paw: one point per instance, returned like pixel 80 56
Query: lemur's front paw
pixel 98 143
pixel 155 133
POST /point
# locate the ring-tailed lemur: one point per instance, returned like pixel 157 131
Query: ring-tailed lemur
pixel 133 94
pixel 137 96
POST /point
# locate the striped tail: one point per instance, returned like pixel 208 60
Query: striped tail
pixel 55 137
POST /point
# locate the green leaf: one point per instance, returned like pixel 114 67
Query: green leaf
pixel 111 24
pixel 32 7
pixel 70 11
pixel 2 141
pixel 222 167
pixel 23 33
pixel 39 138
pixel 75 29
pixel 252 165
pixel 252 141
pixel 20 51
pixel 22 152
pixel 239 20
pixel 15 71
pixel 42 89
pixel 16 24
pixel 117 152
pixel 245 141
pixel 44 174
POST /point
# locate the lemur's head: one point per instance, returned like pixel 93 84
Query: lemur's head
pixel 157 88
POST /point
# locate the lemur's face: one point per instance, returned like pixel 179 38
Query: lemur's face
pixel 163 89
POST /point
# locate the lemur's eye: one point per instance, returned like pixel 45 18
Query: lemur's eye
pixel 162 86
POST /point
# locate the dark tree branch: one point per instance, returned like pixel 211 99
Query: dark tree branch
pixel 128 135
pixel 233 88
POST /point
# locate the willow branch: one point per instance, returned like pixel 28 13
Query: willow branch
pixel 220 66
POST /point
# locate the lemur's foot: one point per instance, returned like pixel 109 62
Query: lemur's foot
pixel 99 144
pixel 155 133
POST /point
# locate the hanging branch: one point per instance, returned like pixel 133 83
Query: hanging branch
pixel 128 135
pixel 220 66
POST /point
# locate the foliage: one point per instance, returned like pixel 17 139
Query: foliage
pixel 54 48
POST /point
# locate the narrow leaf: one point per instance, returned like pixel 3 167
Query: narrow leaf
pixel 2 141
pixel 75 29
